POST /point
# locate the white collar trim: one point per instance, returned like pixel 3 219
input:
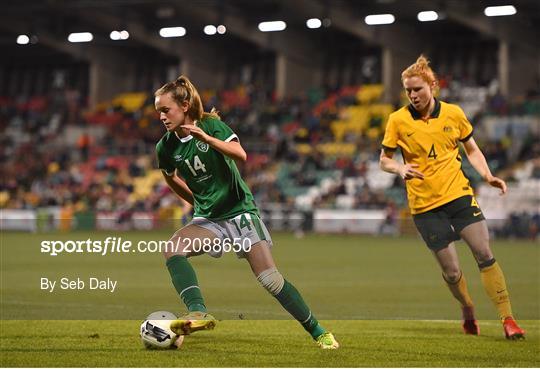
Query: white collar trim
pixel 183 139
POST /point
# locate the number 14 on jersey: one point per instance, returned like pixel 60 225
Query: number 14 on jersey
pixel 197 165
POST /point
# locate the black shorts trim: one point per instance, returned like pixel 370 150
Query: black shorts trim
pixel 441 226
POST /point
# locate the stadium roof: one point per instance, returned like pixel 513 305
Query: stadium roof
pixel 52 20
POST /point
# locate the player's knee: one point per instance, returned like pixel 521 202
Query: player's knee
pixel 272 280
pixel 452 275
pixel 483 254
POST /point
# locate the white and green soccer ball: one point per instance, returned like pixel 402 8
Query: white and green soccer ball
pixel 156 332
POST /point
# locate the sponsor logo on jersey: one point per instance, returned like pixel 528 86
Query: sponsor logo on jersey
pixel 447 129
pixel 202 146
pixel 178 157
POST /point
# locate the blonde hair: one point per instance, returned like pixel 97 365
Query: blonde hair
pixel 183 90
pixel 420 69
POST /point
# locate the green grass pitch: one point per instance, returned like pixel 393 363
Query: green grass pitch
pixel 382 297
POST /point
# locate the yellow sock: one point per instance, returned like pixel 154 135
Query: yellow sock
pixel 460 291
pixel 495 286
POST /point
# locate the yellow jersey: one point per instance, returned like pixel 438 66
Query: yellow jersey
pixel 433 145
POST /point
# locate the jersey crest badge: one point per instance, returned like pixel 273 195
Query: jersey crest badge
pixel 202 146
pixel 178 157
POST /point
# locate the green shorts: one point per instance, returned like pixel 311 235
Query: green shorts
pixel 441 226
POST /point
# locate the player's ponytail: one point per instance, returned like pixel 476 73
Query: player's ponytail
pixel 183 90
pixel 420 69
pixel 213 113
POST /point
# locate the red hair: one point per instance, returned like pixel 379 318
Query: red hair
pixel 420 69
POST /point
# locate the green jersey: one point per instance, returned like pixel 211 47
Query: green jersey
pixel 218 190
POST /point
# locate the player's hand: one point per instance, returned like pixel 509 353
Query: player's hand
pixel 497 183
pixel 196 132
pixel 409 171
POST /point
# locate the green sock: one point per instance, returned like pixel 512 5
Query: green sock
pixel 292 301
pixel 185 281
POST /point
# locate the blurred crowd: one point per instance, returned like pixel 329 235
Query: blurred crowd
pixel 57 152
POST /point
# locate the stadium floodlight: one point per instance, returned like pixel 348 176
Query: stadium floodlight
pixel 313 23
pixel 272 26
pixel 427 16
pixel 498 11
pixel 23 39
pixel 221 29
pixel 377 19
pixel 119 35
pixel 80 37
pixel 172 32
pixel 210 29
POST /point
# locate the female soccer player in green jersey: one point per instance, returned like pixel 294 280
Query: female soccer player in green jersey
pixel 197 155
pixel 441 199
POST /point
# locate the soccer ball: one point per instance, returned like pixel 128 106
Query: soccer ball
pixel 156 332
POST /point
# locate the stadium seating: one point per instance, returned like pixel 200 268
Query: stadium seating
pixel 317 151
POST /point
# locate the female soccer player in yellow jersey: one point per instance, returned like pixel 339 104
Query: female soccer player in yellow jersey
pixel 440 196
pixel 197 156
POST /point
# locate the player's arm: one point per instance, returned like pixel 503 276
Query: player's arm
pixel 232 148
pixel 179 187
pixel 390 165
pixel 479 163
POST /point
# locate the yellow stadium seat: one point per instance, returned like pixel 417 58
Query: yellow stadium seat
pixel 131 101
pixel 373 133
pixel 381 110
pixel 142 186
pixel 303 148
pixel 369 93
pixel 337 149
